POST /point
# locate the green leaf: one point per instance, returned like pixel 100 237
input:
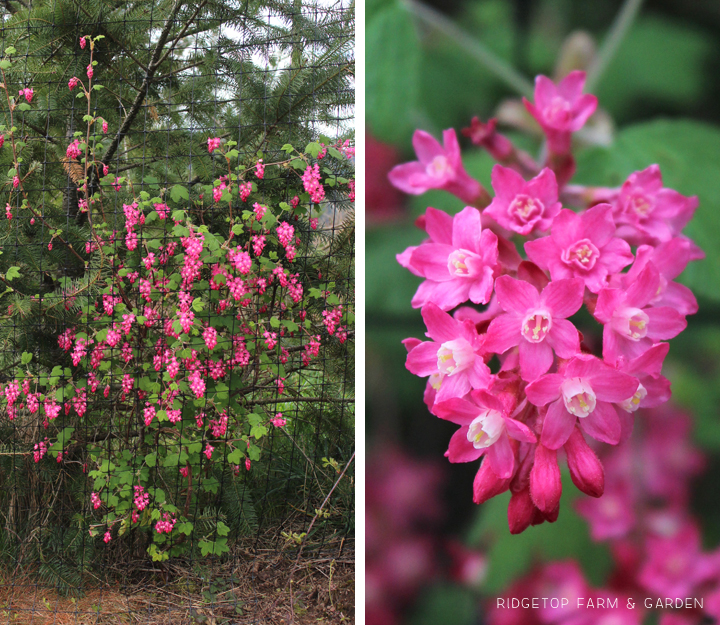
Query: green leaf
pixel 222 529
pixel 179 192
pixel 151 459
pixel 12 272
pixel 235 456
pixel 287 148
pixel 24 106
pixel 26 358
pixel 688 153
pixel 274 322
pixel 392 61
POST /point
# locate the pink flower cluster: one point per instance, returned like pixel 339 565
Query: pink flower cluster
pixel 550 390
pixel 73 150
pixel 213 144
pixel 312 184
pixel 27 93
pixel 165 525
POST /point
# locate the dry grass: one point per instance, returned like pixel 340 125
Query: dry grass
pixel 255 590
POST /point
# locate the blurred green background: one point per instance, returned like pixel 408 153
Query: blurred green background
pixel 660 94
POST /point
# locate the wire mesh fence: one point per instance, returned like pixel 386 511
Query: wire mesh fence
pixel 176 322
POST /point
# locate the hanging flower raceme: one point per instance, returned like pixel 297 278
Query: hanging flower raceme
pixel 552 386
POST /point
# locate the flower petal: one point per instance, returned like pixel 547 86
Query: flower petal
pixel 461 449
pixel 438 225
pixel 467 229
pixel 457 410
pixel 515 295
pixel 665 323
pixel 501 457
pixel 545 389
pixel 535 359
pixel 564 338
pixel 563 297
pixel 426 146
pixel 503 333
pixel 422 359
pixel 602 424
pixel 558 425
pixel 519 431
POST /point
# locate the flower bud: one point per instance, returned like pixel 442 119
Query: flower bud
pixel 545 483
pixel 521 511
pixel 586 470
pixel 487 484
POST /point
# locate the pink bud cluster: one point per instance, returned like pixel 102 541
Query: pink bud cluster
pixel 551 391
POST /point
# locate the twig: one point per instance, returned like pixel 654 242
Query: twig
pixel 618 30
pixel 503 70
pixel 302 543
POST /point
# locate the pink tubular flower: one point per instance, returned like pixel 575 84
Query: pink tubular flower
pixel 208 451
pixel 82 42
pixel 90 71
pixel 536 322
pixel 584 390
pixel 524 207
pixel 260 169
pixel 213 144
pixel 670 259
pixel 453 358
pixel 561 109
pixel 458 260
pixel 437 167
pixel 646 212
pixel 582 246
pixel 631 327
pixel 72 83
pixel 486 428
pixel 16 184
pixel 278 421
pixel 104 126
pixel 28 93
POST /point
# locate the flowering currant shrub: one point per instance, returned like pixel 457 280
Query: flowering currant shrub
pixel 193 317
pixel 502 281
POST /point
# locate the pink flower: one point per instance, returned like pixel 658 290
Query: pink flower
pixel 582 246
pixel 210 337
pixel 184 471
pixel 82 42
pixel 536 322
pixel 561 110
pixel 2 140
pixel 260 169
pixel 72 83
pixel 675 565
pixel 108 536
pixel 645 212
pixel 213 144
pixel 278 421
pixel 458 261
pixel 453 358
pixel 28 93
pixel 8 211
pixel 584 390
pixel 631 326
pixel 524 207
pixel 105 126
pixel 208 451
pixel 437 167
pixel 16 184
pixel 73 150
pixel 670 259
pixel 90 71
pixel 653 389
pixel 486 427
